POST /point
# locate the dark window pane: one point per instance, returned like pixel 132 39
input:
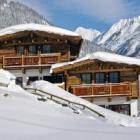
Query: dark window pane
pixel 114 77
pixel 32 50
pixel 100 77
pixel 86 78
pixel 20 50
pixel 54 79
pixel 46 49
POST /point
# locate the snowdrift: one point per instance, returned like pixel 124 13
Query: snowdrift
pixel 110 116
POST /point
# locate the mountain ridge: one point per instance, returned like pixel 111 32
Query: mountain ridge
pixel 13 13
pixel 122 37
pixel 87 34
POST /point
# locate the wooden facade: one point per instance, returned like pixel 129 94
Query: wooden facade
pixel 36 49
pixel 94 79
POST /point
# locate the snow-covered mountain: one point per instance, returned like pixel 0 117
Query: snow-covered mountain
pixel 87 34
pixel 89 47
pixel 123 38
pixel 12 13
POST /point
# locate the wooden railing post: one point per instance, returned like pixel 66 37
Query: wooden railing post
pixel 110 89
pixel 130 86
pixel 59 57
pixel 22 59
pixel 3 62
pixel 39 62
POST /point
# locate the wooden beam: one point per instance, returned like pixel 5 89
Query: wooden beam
pixel 31 43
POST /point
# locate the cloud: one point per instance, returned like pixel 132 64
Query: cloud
pixel 105 10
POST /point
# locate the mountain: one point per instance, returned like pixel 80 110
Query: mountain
pixel 87 34
pixel 12 13
pixel 88 46
pixel 123 38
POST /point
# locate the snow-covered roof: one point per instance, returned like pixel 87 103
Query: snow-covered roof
pixel 102 56
pixel 36 27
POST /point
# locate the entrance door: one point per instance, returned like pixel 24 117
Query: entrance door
pixel 19 81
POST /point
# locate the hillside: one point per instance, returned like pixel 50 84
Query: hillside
pixel 13 13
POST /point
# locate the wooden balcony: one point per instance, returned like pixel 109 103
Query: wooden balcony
pixel 106 90
pixel 30 61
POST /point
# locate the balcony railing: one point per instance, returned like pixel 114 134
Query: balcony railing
pixel 108 89
pixel 25 61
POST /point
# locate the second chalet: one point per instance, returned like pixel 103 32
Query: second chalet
pixel 109 80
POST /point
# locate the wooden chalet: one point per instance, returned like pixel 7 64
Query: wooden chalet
pixel 106 79
pixel 31 49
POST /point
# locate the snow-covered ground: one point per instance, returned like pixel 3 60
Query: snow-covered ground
pixel 22 117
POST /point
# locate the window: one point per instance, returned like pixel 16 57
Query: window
pixel 32 50
pixel 100 77
pixel 120 108
pixel 86 78
pixel 46 49
pixel 54 78
pixel 114 77
pixel 20 50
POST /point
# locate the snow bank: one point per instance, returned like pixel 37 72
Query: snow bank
pixel 102 56
pixel 110 116
pixel 8 86
pixel 6 77
pixel 22 119
pixel 36 27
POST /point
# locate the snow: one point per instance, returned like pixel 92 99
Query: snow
pixel 24 117
pixel 102 56
pixel 110 116
pixel 36 27
pixel 6 77
pixel 124 26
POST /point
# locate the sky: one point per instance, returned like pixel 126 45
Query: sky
pixel 96 14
